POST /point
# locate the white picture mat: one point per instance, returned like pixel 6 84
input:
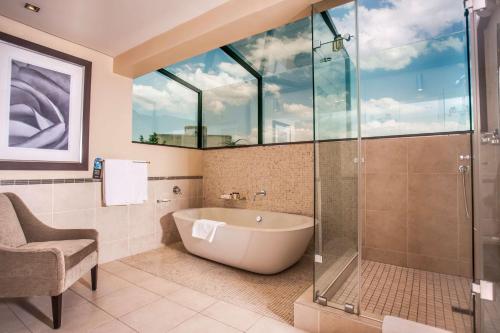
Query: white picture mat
pixel 10 52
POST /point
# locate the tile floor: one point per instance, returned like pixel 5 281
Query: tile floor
pixel 413 294
pixel 268 295
pixel 132 300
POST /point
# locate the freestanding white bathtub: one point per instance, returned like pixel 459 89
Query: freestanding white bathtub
pixel 265 247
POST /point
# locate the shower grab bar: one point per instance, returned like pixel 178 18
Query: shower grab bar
pixel 463 170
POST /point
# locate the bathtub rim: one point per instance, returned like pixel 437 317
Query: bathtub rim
pixel 302 226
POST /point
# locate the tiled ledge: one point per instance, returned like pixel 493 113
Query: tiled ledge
pixel 5 182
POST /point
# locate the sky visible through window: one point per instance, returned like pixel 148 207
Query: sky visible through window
pixel 413 77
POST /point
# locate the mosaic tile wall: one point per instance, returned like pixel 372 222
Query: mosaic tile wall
pixel 284 171
pixel 337 202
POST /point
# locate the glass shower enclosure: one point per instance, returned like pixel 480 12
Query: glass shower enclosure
pixel 424 101
pixel 337 151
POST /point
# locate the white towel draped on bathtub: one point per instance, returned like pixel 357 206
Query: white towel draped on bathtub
pixel 205 229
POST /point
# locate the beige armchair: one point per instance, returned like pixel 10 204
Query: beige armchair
pixel 37 260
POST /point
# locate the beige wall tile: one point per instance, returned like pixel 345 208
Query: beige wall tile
pixel 113 250
pixel 386 155
pixel 143 243
pixel 112 223
pixel 74 196
pixel 37 197
pixel 386 191
pixel 465 268
pixel 45 218
pixel 75 219
pixel 432 215
pixel 433 264
pixel 142 220
pixel 386 230
pixel 385 256
pixel 437 153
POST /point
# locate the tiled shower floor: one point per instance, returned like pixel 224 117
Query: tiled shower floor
pixel 413 294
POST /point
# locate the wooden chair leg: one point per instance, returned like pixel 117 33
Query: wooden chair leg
pixel 56 310
pixel 93 273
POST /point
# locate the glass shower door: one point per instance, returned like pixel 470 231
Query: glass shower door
pixel 484 41
pixel 336 156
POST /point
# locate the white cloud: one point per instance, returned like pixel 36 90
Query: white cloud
pixel 170 98
pixel 389 35
pixel 275 53
pixel 272 88
pixel 236 94
pixel 453 43
pixel 389 116
pixel 298 109
pixel 233 69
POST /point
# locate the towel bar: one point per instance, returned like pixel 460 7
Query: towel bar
pixel 148 162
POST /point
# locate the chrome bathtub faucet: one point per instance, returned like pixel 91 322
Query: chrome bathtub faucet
pixel 260 193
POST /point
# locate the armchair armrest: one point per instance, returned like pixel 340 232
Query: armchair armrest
pixel 31 272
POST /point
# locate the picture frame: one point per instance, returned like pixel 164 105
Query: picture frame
pixel 44 107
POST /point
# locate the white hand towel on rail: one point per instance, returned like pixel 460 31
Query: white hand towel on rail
pixel 117 187
pixel 205 229
pixel 139 178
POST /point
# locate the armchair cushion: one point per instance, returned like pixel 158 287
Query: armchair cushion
pixel 74 250
pixel 11 232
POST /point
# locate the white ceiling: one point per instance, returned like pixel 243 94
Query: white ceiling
pixel 108 26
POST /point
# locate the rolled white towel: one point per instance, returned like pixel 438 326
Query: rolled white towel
pixel 205 229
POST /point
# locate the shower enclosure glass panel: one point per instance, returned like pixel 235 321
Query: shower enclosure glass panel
pixel 336 155
pixel 485 54
pixel 413 76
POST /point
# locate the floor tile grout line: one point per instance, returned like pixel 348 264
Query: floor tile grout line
pixel 18 318
pixel 165 297
pixel 188 287
pixel 103 310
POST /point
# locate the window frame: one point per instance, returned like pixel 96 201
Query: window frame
pixel 239 59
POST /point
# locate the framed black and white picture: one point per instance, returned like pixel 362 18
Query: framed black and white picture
pixel 44 107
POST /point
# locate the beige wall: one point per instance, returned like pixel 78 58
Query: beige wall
pixel 123 230
pixel 284 171
pixel 110 116
pixel 414 213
